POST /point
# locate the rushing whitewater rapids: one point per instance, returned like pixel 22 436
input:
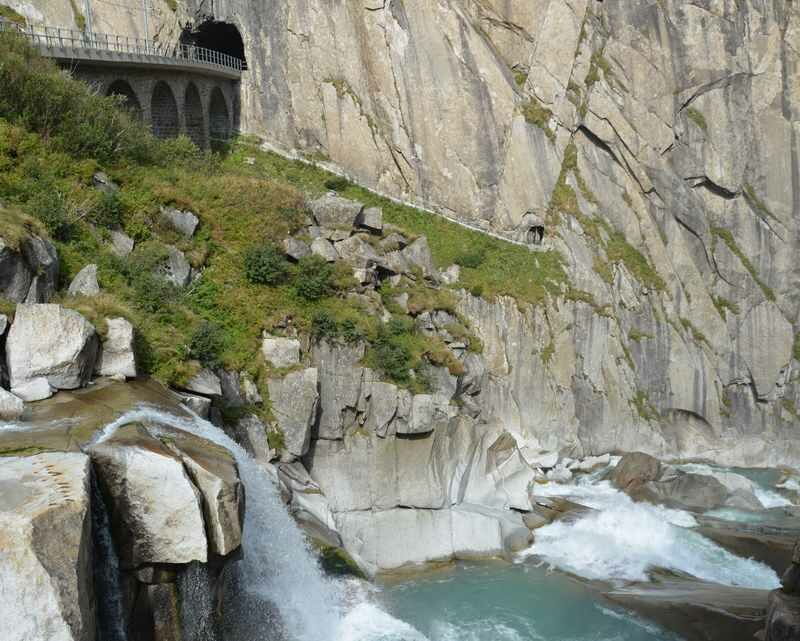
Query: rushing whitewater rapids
pixel 281 592
pixel 621 540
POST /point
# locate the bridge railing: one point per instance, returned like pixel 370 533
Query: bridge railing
pixel 50 39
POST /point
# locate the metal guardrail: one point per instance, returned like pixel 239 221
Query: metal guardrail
pixel 50 39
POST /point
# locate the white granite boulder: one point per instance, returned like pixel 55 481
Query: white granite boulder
pixel 52 343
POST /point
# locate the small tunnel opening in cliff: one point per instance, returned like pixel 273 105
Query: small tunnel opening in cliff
pixel 216 35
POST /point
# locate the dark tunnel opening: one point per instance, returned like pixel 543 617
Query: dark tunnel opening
pixel 217 36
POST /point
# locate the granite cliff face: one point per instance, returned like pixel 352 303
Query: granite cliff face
pixel 655 142
pixel 655 145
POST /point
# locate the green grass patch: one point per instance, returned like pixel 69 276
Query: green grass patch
pixel 619 249
pixel 757 203
pixel 506 270
pixel 7 13
pixel 724 306
pixel 637 335
pixel 645 409
pixel 789 405
pixel 80 19
pixel 697 118
pixel 697 335
pixel 535 113
pixel 727 237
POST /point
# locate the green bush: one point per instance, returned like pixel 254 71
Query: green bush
pixel 350 332
pixel 314 278
pixel 323 325
pixel 472 258
pixel 108 212
pixel 206 344
pixel 50 207
pixel 152 294
pixel 337 183
pixel 392 356
pixel 265 265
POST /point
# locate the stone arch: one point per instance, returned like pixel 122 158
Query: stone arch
pixel 164 111
pixel 217 36
pixel 219 120
pixel 124 90
pixel 193 114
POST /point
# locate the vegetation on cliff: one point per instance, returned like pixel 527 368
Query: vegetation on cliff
pixel 55 135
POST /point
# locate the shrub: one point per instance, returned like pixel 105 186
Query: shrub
pixel 472 258
pixel 108 212
pixel 314 278
pixel 265 265
pixel 323 325
pixel 350 332
pixel 206 344
pixel 152 294
pixel 50 207
pixel 337 183
pixel 392 356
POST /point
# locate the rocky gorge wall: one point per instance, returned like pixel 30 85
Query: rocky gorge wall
pixel 655 143
pixel 672 124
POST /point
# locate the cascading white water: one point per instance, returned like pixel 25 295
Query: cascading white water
pixel 621 541
pixel 110 618
pixel 277 566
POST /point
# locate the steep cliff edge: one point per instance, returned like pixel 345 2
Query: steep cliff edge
pixel 653 145
pixel 655 142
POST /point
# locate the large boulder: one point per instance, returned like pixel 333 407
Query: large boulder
pixel 280 351
pixel 117 357
pixel 783 617
pixel 418 254
pixel 358 253
pixel 46 586
pixel 176 269
pixel 121 244
pixel 28 271
pixel 295 249
pixel 323 248
pixel 213 471
pixel 150 525
pixel 334 211
pixel 184 222
pixel 85 282
pixel 295 398
pixel 52 344
pixel 11 407
pixel 371 219
pixel 205 383
pixel 697 492
pixel 634 470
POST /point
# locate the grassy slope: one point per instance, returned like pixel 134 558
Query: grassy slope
pixel 54 135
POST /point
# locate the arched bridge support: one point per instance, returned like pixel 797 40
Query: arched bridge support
pixel 204 107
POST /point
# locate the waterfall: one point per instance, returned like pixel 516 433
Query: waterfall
pixel 278 566
pixel 110 618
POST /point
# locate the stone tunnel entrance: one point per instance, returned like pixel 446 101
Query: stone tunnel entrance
pixel 218 36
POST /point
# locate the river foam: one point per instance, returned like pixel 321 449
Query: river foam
pixel 621 541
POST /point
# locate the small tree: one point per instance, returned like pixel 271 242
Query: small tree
pixel 207 343
pixel 265 265
pixel 314 278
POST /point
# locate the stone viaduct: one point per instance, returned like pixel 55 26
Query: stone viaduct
pixel 172 88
